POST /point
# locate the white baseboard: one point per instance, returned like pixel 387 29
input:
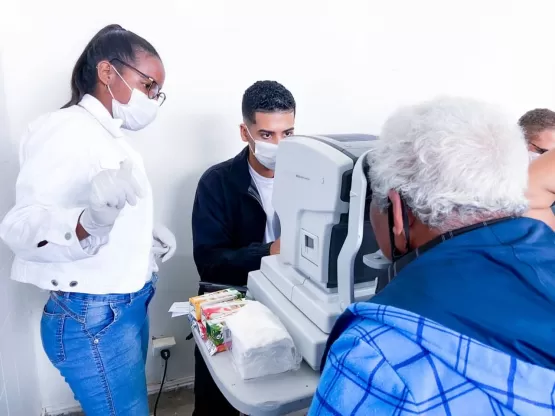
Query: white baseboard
pixel 60 410
pixel 185 382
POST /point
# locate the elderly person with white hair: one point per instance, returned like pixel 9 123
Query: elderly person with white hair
pixel 466 325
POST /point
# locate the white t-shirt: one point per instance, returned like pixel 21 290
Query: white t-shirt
pixel 265 187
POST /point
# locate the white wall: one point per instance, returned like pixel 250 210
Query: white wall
pixel 18 377
pixel 348 63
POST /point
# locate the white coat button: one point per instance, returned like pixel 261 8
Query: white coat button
pixel 72 284
pixel 54 282
pixel 68 236
pixel 96 341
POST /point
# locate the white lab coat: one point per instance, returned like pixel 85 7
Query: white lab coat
pixel 59 155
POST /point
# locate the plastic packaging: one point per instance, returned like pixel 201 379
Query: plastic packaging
pixel 214 317
pixel 214 297
pixel 260 344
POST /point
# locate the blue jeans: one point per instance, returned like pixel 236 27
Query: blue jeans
pixel 99 344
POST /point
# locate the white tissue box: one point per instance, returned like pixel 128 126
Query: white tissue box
pixel 260 343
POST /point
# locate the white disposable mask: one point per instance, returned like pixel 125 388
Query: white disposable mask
pixel 264 152
pixel 138 113
pixel 533 155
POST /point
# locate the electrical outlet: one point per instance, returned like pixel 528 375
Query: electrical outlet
pixel 162 343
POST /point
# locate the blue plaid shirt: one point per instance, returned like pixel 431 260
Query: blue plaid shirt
pixel 393 362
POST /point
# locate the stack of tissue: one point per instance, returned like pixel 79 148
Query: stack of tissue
pixel 260 343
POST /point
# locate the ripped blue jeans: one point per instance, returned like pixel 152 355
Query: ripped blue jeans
pixel 99 344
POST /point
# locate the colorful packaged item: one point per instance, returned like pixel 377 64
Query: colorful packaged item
pixel 213 318
pixel 211 298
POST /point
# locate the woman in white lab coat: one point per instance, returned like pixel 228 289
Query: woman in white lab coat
pixel 82 226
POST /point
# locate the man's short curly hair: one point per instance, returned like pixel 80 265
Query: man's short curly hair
pixel 536 121
pixel 266 97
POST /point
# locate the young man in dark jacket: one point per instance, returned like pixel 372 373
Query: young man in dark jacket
pixel 234 223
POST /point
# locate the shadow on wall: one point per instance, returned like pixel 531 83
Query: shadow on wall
pixel 178 281
pixel 178 277
pixel 19 392
pixel 207 142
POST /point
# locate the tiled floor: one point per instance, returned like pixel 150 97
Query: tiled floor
pixel 172 403
pixel 178 403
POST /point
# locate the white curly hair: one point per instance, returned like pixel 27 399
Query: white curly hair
pixel 455 162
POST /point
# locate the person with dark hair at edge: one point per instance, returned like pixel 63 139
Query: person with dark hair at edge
pixel 234 223
pixel 539 130
pixel 541 188
pixel 82 226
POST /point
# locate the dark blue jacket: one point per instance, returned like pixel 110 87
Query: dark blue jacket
pixel 228 223
pixel 466 327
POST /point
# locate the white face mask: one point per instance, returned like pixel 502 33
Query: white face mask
pixel 533 155
pixel 264 152
pixel 138 113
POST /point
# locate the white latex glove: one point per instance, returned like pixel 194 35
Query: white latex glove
pixel 111 190
pixel 163 244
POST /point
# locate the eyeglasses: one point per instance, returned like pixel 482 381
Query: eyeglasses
pixel 153 89
pixel 539 150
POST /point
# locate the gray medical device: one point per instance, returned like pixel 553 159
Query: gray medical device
pixel 320 196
